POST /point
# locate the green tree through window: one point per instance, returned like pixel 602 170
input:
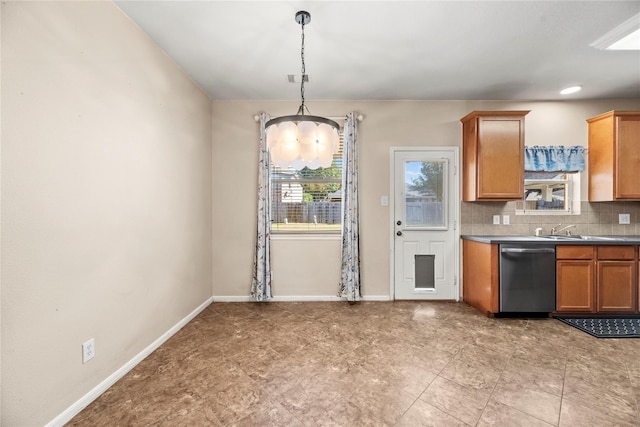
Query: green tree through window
pixel 318 190
pixel 429 182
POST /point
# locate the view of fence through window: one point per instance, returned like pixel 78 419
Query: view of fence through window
pixel 424 190
pixel 307 200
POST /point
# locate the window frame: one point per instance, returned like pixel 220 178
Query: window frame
pixel 571 181
pixel 326 229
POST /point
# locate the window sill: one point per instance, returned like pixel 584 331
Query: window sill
pixel 545 212
pixel 305 236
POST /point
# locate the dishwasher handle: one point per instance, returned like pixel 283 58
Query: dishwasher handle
pixel 528 250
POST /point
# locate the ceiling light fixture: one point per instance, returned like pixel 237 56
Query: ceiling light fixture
pixel 569 90
pixel 302 140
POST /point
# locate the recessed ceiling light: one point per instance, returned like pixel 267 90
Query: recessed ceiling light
pixel 625 36
pixel 572 89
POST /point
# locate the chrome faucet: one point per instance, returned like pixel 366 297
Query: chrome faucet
pixel 566 227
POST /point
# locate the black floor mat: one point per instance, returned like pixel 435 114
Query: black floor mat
pixel 606 327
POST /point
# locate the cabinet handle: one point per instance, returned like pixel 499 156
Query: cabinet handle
pixel 528 251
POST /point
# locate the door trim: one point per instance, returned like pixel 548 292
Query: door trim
pixel 455 211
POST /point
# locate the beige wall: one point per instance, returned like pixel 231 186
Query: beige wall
pixel 386 124
pixel 108 177
pixel 106 200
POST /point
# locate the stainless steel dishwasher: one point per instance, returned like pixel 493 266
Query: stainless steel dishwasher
pixel 527 278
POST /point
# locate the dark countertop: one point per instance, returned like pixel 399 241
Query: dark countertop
pixel 559 240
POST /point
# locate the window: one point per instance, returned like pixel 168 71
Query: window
pixel 549 193
pixel 425 185
pixel 307 200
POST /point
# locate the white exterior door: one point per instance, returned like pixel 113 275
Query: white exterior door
pixel 425 218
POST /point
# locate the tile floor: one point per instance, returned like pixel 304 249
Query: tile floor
pixel 375 364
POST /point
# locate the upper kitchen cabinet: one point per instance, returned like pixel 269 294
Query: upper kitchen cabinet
pixel 614 156
pixel 493 155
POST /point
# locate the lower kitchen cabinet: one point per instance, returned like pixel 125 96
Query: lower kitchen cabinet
pixel 481 275
pixel 616 278
pixel 596 279
pixel 575 287
pixel 602 279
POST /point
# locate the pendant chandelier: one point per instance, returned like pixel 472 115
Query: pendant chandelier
pixel 302 140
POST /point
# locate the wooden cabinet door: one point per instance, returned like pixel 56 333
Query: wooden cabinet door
pixel 481 276
pixel 627 181
pixel 493 155
pixel 614 156
pixel 601 168
pixel 616 286
pixel 500 158
pixel 575 289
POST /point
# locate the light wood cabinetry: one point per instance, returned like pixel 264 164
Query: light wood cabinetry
pixel 481 276
pixel 614 156
pixel 616 278
pixel 589 278
pixel 596 279
pixel 493 155
pixel 575 276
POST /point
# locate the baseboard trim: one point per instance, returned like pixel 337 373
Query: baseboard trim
pixel 92 395
pixel 377 298
pixel 300 298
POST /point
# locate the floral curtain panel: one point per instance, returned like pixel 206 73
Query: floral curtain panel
pixel 350 276
pixel 261 283
pixel 554 159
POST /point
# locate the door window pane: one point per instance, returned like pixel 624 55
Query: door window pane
pixel 425 187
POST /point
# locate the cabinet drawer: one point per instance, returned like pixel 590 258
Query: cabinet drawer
pixel 616 252
pixel 574 252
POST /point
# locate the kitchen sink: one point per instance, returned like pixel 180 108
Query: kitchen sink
pixel 590 238
pixel 603 238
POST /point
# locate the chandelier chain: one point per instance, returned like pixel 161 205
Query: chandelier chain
pixel 292 148
pixel 302 107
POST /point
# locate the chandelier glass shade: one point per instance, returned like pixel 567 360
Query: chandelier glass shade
pixel 302 140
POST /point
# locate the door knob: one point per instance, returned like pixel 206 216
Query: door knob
pixel 399 233
pixel 399 222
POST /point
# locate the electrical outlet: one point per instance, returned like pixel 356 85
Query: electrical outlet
pixel 496 220
pixel 624 219
pixel 88 350
pixel 505 219
pixel 384 201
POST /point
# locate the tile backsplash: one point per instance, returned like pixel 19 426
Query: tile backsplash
pixel 595 219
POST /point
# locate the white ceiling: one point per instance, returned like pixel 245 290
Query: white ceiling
pixel 440 50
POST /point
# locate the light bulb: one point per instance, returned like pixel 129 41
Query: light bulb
pixel 288 141
pixel 306 132
pixel 308 151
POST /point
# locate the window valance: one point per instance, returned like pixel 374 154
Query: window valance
pixel 554 159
